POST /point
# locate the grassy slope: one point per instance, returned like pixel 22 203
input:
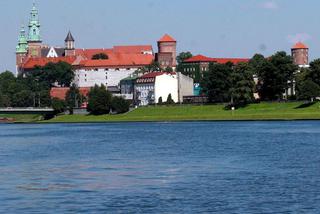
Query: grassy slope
pixel 23 118
pixel 262 111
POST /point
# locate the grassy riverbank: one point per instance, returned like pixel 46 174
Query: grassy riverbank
pixel 261 111
pixel 22 118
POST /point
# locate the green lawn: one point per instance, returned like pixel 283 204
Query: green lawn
pixel 23 118
pixel 262 111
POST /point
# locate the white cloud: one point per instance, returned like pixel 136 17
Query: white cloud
pixel 299 37
pixel 270 5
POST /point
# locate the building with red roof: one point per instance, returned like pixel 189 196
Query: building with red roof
pixel 167 52
pixel 300 54
pixel 196 65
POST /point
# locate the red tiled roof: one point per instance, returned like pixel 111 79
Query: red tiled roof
pixel 128 49
pixel 32 62
pixel 60 93
pixel 299 45
pixel 120 60
pixel 150 77
pixel 201 58
pixel 137 49
pixel 167 38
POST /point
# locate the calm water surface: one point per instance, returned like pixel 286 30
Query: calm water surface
pixel 219 167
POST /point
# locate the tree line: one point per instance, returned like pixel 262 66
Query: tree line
pixel 268 77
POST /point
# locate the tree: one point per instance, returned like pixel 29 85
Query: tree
pixel 168 70
pixel 100 56
pixel 183 56
pixel 6 79
pixel 275 75
pixel 154 66
pixel 313 72
pixel 216 82
pixel 60 73
pixel 160 102
pixel 308 90
pixel 99 100
pixel 242 85
pixel 58 105
pixel 169 100
pixel 4 100
pixel 73 98
pixel 24 98
pixel 120 105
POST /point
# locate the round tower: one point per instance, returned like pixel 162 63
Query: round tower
pixel 69 45
pixel 300 54
pixel 167 52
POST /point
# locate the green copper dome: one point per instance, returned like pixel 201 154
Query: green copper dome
pixel 34 26
pixel 22 46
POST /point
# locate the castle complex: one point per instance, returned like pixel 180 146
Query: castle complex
pixel 121 60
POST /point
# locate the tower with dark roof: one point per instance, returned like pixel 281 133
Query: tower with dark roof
pixel 69 45
pixel 167 52
pixel 300 54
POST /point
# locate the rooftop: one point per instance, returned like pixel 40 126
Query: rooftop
pixel 201 58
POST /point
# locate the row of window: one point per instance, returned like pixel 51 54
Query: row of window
pixel 107 69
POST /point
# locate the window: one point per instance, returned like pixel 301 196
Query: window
pixel 128 69
pixel 107 69
pixel 117 69
pixel 96 69
pixel 106 77
pixel 34 32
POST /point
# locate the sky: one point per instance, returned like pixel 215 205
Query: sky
pixel 216 28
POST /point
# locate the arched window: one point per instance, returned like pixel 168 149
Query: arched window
pixel 34 31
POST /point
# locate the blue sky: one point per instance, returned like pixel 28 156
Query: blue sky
pixel 217 28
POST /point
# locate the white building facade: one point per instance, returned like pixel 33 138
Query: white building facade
pixel 150 87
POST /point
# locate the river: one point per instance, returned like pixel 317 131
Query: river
pixel 189 167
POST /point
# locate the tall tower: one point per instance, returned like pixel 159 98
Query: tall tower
pixel 69 45
pixel 167 52
pixel 21 49
pixel 300 54
pixel 34 39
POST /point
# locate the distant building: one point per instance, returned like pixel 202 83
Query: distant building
pixel 196 65
pixel 150 87
pixel 167 52
pixel 300 55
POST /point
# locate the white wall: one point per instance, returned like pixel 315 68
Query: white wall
pixel 107 77
pixel 164 85
pixel 185 86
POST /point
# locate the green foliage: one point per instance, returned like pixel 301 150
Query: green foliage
pixel 217 82
pixel 99 100
pixel 120 105
pixel 58 105
pixel 100 56
pixel 180 58
pixel 313 72
pixel 160 102
pixel 170 101
pixel 153 67
pixel 308 90
pixel 24 98
pixel 60 73
pixel 168 70
pixel 274 74
pixel 242 85
pixel 73 98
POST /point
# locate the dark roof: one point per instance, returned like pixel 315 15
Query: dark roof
pixel 69 37
pixel 45 51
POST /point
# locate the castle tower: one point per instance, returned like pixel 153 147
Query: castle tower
pixel 300 54
pixel 69 45
pixel 34 39
pixel 167 52
pixel 21 49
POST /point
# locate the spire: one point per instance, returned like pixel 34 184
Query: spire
pixel 22 46
pixel 34 25
pixel 69 38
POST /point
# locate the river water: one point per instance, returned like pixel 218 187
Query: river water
pixel 191 167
